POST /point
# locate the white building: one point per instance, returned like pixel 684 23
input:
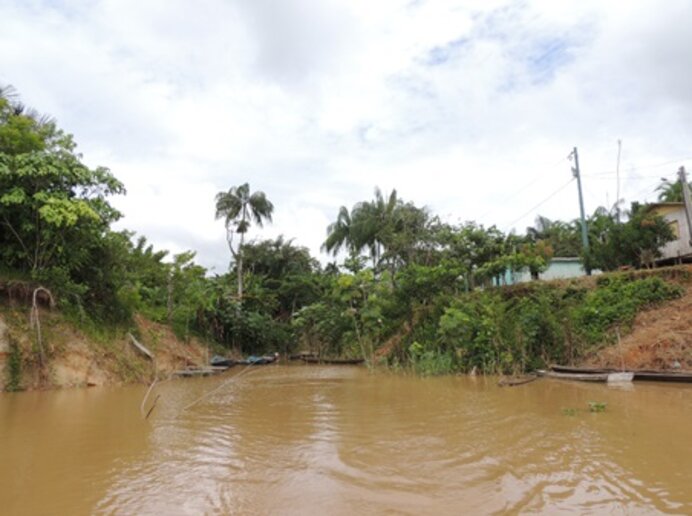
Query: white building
pixel 678 250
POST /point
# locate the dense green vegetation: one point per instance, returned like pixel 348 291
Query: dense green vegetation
pixel 405 287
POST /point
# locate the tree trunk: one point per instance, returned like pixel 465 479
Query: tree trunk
pixel 240 269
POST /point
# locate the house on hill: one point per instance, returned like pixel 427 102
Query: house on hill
pixel 680 249
pixel 558 268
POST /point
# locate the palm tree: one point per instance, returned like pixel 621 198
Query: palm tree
pixel 239 208
pixel 367 225
pixel 339 233
pixel 670 191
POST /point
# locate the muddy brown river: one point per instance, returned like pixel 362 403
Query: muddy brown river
pixel 341 440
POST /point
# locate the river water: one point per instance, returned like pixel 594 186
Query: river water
pixel 341 440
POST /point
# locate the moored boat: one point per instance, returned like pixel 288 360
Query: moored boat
pixel 219 361
pixel 664 376
pixel 640 375
pixel 258 360
pixel 579 370
pixel 333 361
pixel 581 377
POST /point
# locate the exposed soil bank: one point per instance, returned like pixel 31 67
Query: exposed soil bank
pixel 72 358
pixel 661 339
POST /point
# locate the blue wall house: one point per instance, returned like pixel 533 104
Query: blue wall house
pixel 558 268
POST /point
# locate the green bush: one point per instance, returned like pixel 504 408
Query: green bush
pixel 616 301
pixel 14 367
pixel 530 326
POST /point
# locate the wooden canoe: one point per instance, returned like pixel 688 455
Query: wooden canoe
pixel 222 362
pixel 641 375
pixel 580 370
pixel 663 376
pixel 581 377
pixel 253 360
pixel 333 361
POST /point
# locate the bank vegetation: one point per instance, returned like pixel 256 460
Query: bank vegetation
pixel 405 289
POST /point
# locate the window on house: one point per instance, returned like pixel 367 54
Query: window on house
pixel 675 228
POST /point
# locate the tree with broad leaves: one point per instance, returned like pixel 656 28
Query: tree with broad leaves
pixel 51 204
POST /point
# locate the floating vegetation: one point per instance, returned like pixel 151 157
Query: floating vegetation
pixel 597 406
pixel 594 406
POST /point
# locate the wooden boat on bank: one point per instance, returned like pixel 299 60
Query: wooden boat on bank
pixel 219 361
pixel 255 360
pixel 641 375
pixel 664 376
pixel 580 377
pixel 580 370
pixel 333 361
pixel 199 371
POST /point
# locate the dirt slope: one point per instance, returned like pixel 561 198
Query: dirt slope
pixel 661 339
pixel 74 359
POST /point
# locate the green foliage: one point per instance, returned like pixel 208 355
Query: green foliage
pixel 238 207
pixel 616 301
pixel 391 230
pixel 430 362
pixel 528 328
pixel 670 191
pixel 562 237
pixel 634 243
pixel 597 406
pixel 428 289
pixel 14 367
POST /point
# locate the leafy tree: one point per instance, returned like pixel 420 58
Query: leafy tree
pixel 50 202
pixel 632 243
pixel 564 238
pixel 238 207
pixel 284 276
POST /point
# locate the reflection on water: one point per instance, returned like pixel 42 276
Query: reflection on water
pixel 330 440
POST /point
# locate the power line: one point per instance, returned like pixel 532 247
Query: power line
pixel 508 226
pixel 628 178
pixel 649 189
pixel 525 187
pixel 643 167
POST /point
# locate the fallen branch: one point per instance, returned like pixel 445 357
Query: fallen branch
pixel 140 347
pixel 152 406
pixel 141 407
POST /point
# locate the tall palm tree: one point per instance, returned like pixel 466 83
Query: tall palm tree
pixel 670 191
pixel 339 233
pixel 238 207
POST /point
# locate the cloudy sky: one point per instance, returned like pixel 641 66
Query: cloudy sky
pixel 468 107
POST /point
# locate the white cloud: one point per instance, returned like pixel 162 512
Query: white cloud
pixel 458 105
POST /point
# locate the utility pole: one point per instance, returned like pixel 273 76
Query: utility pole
pixel 575 172
pixel 617 190
pixel 687 200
